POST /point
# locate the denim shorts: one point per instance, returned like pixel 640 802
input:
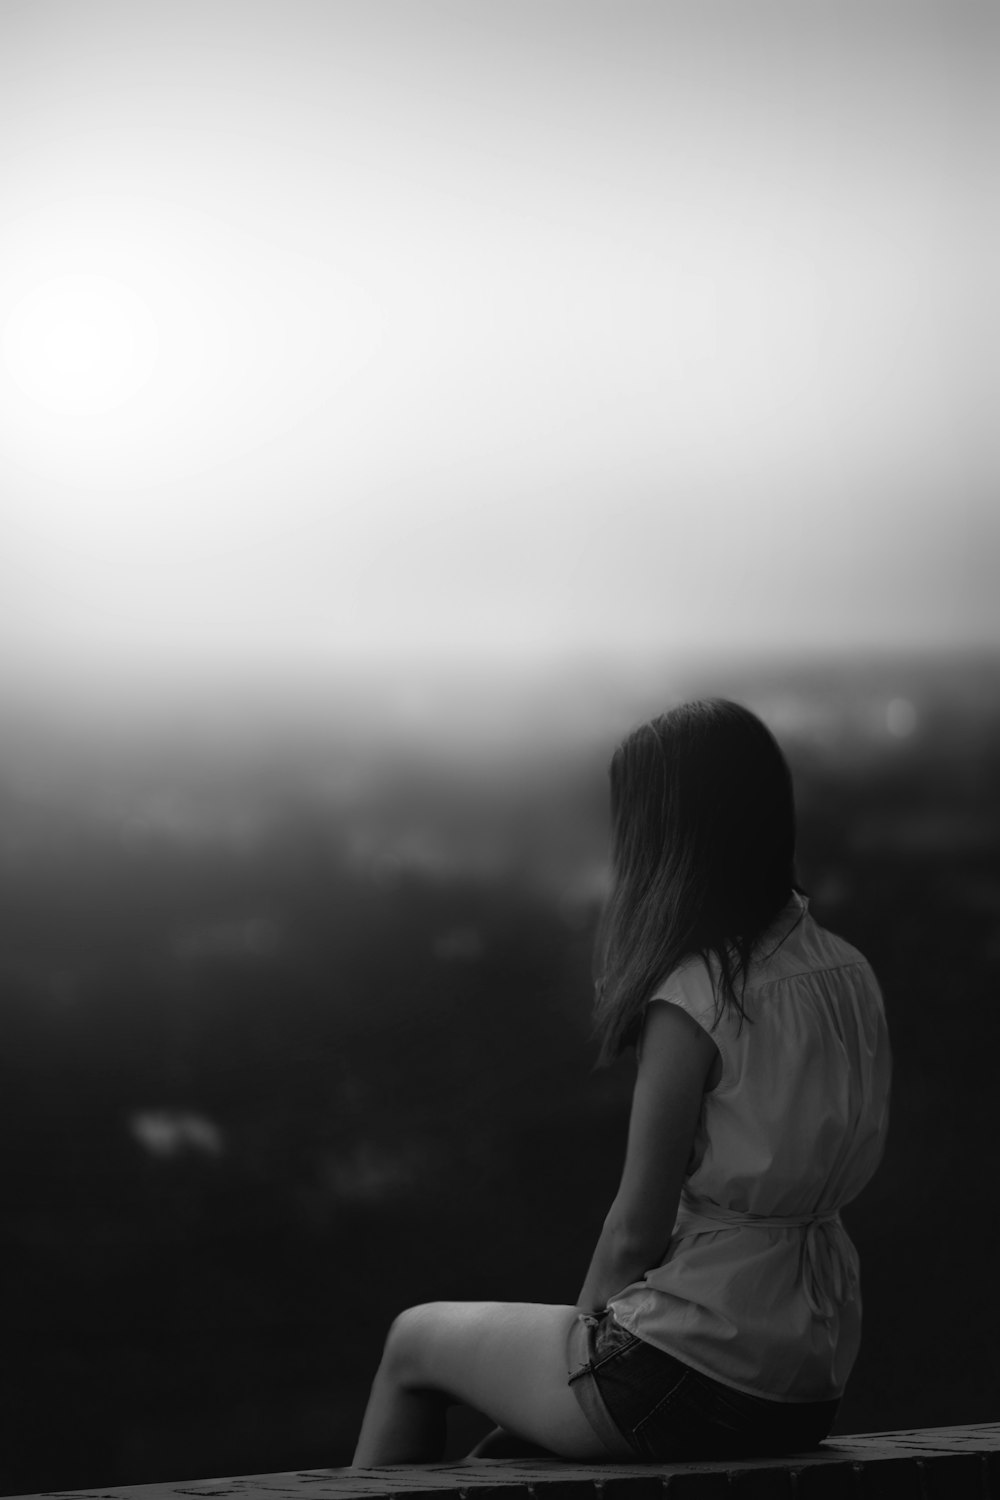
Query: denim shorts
pixel 643 1403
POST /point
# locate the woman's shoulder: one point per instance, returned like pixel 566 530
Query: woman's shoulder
pixel 693 986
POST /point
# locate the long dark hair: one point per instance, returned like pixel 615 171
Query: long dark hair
pixel 702 858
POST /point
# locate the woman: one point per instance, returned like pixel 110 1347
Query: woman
pixel 721 1311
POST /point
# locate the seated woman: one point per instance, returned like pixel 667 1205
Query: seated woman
pixel 721 1313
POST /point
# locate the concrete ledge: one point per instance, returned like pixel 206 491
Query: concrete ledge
pixel 941 1463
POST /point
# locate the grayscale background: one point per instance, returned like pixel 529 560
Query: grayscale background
pixel 399 400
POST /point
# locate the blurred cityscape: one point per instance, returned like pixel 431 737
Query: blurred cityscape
pixel 295 993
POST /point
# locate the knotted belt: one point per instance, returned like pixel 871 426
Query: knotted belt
pixel 828 1276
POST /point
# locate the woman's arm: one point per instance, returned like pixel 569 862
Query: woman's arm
pixel 676 1057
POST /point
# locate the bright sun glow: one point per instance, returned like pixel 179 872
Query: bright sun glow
pixel 80 345
pixel 153 356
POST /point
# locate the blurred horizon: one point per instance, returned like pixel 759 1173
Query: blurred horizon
pixel 450 769
pixel 404 686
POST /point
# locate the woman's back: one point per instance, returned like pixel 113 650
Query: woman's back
pixel 793 1130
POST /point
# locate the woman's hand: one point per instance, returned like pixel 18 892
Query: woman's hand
pixel 502 1444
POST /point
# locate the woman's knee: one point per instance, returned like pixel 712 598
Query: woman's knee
pixel 407 1342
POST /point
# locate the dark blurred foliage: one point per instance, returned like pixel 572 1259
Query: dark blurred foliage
pixel 282 1055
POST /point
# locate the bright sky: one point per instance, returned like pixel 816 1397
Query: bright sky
pixel 412 325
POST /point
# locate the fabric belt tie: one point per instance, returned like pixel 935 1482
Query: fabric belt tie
pixel 828 1276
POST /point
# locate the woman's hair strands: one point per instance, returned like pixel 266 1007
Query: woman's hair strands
pixel 702 859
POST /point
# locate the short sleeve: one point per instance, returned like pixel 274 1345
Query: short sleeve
pixel 691 987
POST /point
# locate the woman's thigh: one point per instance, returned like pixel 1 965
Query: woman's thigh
pixel 506 1359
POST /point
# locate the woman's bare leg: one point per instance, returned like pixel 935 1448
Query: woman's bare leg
pixel 505 1359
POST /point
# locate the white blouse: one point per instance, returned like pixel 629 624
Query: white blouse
pixel 759 1286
